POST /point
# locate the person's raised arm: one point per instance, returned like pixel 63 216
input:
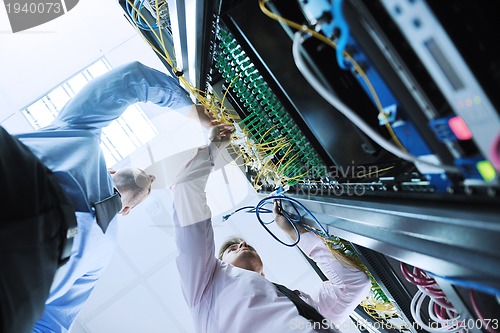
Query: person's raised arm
pixel 106 97
pixel 196 260
pixel 60 314
pixel 346 286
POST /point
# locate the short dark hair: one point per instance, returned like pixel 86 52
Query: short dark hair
pixel 133 182
pixel 230 241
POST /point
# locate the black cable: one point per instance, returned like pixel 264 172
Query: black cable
pixel 293 219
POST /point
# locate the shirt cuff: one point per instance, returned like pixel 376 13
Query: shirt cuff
pixel 308 242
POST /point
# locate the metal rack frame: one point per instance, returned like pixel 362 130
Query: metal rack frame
pixel 457 242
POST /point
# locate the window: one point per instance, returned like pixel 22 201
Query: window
pixel 122 137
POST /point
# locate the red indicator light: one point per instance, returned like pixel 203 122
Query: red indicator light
pixel 459 128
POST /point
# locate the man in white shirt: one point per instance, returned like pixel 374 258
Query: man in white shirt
pixel 231 294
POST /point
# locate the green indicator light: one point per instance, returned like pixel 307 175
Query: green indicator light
pixel 486 170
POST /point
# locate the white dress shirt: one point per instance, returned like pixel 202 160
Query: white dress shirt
pixel 225 298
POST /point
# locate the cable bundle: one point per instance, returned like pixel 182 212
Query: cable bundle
pixel 382 311
pixel 276 159
pixel 269 141
pixel 339 248
pixel 303 32
pixel 442 313
pixel 134 11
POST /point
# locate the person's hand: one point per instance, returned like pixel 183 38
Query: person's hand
pixel 206 119
pixel 220 135
pixel 284 224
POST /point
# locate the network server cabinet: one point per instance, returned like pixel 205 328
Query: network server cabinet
pixel 381 117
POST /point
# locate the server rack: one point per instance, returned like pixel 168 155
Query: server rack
pixel 436 90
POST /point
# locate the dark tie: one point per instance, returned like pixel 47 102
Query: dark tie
pixel 105 210
pixel 305 310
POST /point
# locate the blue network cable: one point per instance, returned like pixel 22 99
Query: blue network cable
pixel 137 7
pixel 468 284
pixel 342 25
pixel 293 218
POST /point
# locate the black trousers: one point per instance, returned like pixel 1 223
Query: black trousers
pixel 32 229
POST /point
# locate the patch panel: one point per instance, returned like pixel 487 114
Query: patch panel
pixel 265 119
